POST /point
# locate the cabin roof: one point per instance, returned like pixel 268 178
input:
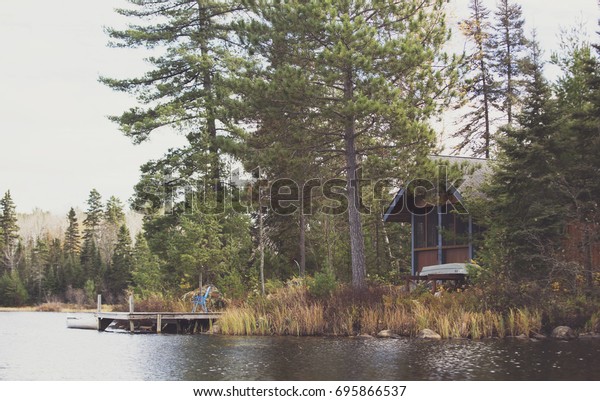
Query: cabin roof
pixel 477 168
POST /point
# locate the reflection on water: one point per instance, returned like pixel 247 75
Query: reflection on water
pixel 38 346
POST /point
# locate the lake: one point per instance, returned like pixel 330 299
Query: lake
pixel 38 346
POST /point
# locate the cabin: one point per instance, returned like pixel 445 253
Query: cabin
pixel 442 230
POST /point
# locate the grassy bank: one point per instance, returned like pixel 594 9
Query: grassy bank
pixel 294 311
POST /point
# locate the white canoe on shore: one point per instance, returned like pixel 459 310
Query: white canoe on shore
pixel 82 322
pixel 446 268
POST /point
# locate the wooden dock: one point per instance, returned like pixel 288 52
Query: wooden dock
pixel 157 322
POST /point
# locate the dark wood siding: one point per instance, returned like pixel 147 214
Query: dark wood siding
pixel 426 257
pixel 456 254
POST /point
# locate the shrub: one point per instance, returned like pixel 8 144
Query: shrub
pixel 322 284
pixel 12 290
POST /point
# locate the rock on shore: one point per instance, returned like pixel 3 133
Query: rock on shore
pixel 387 334
pixel 428 334
pixel 563 333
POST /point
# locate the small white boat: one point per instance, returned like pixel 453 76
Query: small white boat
pixel 446 268
pixel 89 322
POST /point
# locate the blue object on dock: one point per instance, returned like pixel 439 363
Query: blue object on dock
pixel 200 300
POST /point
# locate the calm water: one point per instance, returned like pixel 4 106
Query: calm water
pixel 38 346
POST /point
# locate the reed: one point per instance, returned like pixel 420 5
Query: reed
pixel 593 324
pixel 293 311
pixel 499 328
pixel 239 321
pixel 528 321
pixel 511 320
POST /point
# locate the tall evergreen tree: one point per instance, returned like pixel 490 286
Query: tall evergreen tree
pixel 537 91
pixel 545 189
pixel 367 71
pixel 40 255
pixel 186 88
pixel 528 211
pixel 72 243
pixel 578 148
pixel 91 262
pixel 114 213
pixel 509 43
pixel 55 281
pixel 93 216
pixel 119 274
pixel 113 219
pixel 146 274
pixel 10 232
pixel 480 87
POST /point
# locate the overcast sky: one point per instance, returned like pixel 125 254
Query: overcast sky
pixel 55 141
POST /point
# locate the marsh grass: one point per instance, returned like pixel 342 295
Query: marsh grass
pixel 593 325
pixel 294 311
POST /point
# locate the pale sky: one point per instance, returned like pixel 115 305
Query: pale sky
pixel 55 140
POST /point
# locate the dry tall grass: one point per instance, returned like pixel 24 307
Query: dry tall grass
pixel 292 311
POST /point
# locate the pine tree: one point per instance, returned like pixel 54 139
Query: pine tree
pixel 365 71
pixel 72 244
pixel 113 213
pixel 578 147
pixel 546 185
pixel 10 232
pixel 91 263
pixel 186 89
pixel 55 283
pixel 528 211
pixel 12 290
pixel 40 255
pixel 113 219
pixel 480 86
pixel 537 91
pixel 146 274
pixel 93 216
pixel 119 274
pixel 509 43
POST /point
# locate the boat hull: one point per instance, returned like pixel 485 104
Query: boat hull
pixel 78 322
pixel 446 268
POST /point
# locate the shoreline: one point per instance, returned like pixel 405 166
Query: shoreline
pixel 63 308
pixel 388 335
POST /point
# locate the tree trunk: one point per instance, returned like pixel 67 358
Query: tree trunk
pixel 486 100
pixel 377 248
pixel 386 238
pixel 261 244
pixel 302 244
pixel 587 262
pixel 211 126
pixel 509 78
pixel 357 243
pixel 328 240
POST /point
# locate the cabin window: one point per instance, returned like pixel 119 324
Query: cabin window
pixel 455 228
pixel 426 230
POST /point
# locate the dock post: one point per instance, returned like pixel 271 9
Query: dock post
pixel 131 309
pixel 158 324
pixel 99 310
